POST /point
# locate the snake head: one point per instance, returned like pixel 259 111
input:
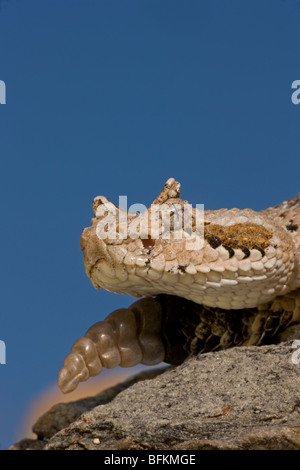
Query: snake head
pixel 228 258
pixel 123 250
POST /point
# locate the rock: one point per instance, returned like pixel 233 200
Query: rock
pixel 240 398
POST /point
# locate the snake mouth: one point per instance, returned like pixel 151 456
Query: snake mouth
pixel 93 249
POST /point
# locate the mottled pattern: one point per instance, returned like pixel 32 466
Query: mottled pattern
pixel 247 237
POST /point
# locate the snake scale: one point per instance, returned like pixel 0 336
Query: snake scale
pixel 233 279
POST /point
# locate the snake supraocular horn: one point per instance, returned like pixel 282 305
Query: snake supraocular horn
pixel 233 279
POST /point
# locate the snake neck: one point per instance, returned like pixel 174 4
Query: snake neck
pixel 287 216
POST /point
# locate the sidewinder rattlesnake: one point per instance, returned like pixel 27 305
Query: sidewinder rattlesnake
pixel 239 286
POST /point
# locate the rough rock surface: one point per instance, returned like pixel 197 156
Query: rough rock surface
pixel 240 398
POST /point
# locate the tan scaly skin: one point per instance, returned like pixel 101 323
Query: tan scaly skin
pixel 242 261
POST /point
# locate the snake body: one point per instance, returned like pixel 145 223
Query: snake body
pixel 232 280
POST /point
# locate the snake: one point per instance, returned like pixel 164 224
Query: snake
pixel 205 280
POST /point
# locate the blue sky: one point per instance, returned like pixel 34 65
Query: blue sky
pixel 113 98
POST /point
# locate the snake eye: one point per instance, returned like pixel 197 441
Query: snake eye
pixel 148 243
